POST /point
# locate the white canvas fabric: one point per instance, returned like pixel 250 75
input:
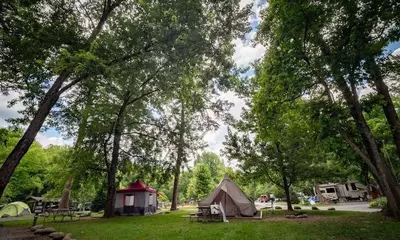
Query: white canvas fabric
pixel 232 198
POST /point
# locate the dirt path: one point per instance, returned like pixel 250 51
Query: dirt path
pixel 19 233
pixel 310 219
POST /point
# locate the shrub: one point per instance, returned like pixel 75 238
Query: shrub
pixel 278 208
pixel 314 208
pixel 297 208
pixel 294 199
pixel 100 200
pixel 305 202
pixel 380 202
pixel 331 209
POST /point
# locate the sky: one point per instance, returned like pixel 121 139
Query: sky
pixel 245 53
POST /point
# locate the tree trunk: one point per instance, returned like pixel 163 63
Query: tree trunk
pixel 112 171
pixel 387 105
pixel 13 159
pixel 79 141
pixel 64 202
pixel 51 97
pixel 388 185
pixel 175 192
pixel 179 159
pixel 287 193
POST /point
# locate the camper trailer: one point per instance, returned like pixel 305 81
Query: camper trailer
pixel 329 191
pixel 338 192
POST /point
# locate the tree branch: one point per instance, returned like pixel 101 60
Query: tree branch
pixel 142 96
pixel 72 83
pixel 98 169
pixel 105 152
pixel 87 14
pixel 273 181
pixel 130 56
pixel 150 77
pixel 140 134
pixel 361 153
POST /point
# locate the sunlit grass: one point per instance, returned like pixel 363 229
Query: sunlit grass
pixel 335 225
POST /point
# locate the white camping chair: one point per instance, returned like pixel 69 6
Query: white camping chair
pixel 215 211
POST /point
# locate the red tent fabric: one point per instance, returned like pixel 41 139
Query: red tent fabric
pixel 137 186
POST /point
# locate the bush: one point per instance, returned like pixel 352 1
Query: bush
pixel 314 208
pixel 278 208
pixel 380 202
pixel 99 201
pixel 331 209
pixel 294 199
pixel 305 202
pixel 297 208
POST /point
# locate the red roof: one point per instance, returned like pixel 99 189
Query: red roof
pixel 137 186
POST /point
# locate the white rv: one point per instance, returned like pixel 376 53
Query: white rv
pixel 351 190
pixel 328 191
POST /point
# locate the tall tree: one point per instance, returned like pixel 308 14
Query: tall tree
pixel 280 151
pixel 201 183
pixel 56 33
pixel 316 45
pixel 29 178
pixel 214 163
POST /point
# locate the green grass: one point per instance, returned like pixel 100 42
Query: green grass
pixel 333 225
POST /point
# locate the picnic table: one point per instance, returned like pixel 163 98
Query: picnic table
pixel 63 212
pixel 205 213
pixel 209 213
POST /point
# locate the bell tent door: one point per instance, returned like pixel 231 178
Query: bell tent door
pixel 231 210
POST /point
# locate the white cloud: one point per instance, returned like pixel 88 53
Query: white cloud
pixel 6 112
pixel 12 112
pixel 243 3
pixel 365 91
pixel 46 141
pixel 215 139
pixel 396 52
pixel 245 53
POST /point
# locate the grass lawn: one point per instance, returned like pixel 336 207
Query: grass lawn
pixel 320 225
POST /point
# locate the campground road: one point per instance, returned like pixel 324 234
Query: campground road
pixel 347 206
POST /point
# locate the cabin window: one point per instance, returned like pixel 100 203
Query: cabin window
pixel 330 190
pixel 347 187
pixel 129 200
pixel 353 186
pixel 322 191
pixel 151 199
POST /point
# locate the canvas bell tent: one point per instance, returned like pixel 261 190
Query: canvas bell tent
pixel 232 198
pixel 15 209
pixel 136 199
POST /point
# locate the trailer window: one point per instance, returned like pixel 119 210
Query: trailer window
pixel 151 199
pixel 347 187
pixel 129 200
pixel 322 191
pixel 353 186
pixel 330 190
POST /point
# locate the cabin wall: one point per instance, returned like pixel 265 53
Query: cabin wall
pixel 119 203
pixel 141 203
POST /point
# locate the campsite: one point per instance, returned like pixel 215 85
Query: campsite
pixel 199 119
